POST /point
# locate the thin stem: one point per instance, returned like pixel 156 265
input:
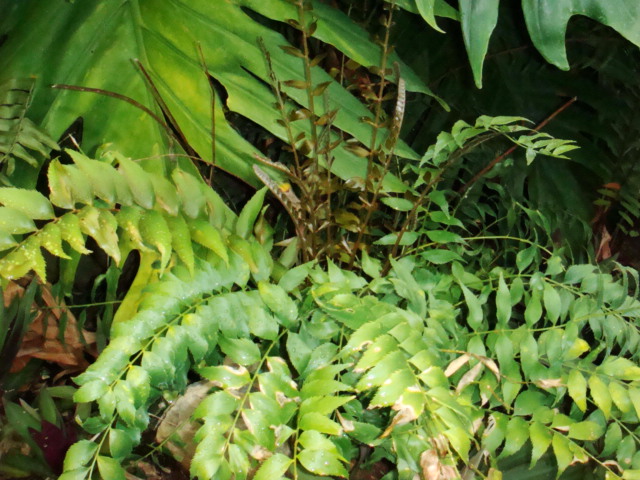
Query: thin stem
pixel 413 213
pixel 205 69
pixel 281 105
pixel 378 110
pixel 315 164
pixel 370 204
pixel 118 96
pixel 501 157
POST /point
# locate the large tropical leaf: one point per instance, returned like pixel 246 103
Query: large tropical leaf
pixel 546 22
pixel 93 44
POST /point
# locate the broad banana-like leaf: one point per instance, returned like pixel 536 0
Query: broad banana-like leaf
pixel 546 22
pixel 93 44
pixel 478 19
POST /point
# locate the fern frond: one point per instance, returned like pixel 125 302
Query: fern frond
pixel 20 138
pixel 122 209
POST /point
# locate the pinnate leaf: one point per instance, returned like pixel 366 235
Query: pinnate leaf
pixel 155 231
pixel 540 437
pixel 274 467
pixel 503 302
pixel 249 213
pixel 279 303
pixel 322 462
pixel 79 454
pixel 241 350
pixel 110 468
pixel 600 394
pixel 139 182
pixel 30 202
pixel 15 221
pixel 207 235
pixel 577 385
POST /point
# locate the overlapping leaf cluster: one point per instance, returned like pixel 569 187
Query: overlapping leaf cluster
pixel 122 209
pixel 443 369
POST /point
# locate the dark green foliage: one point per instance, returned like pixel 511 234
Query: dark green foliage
pixel 424 310
pixel 20 139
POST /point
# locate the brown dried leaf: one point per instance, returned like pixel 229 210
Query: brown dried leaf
pixel 430 464
pixel 491 365
pixel 405 415
pixel 42 340
pixel 177 429
pixel 469 377
pixel 455 365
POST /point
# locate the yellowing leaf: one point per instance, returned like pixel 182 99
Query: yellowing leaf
pixel 50 237
pixel 562 451
pixel 586 430
pixel 155 231
pixel 577 385
pixel 14 221
pixel 166 194
pixel 188 188
pixel 139 182
pixel 102 226
pixel 71 232
pixel 578 347
pixel 181 240
pixel 30 202
pixel 540 437
pixel 105 181
pixel 600 394
pixel 128 219
pixel 620 396
pixel 60 186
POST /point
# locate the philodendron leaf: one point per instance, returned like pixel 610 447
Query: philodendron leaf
pixel 116 33
pixel 547 22
pixel 478 19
